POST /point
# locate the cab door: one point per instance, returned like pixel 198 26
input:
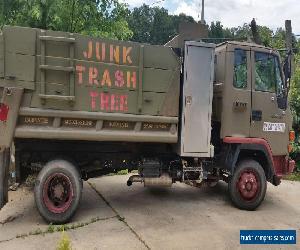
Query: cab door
pixel 268 116
pixel 236 106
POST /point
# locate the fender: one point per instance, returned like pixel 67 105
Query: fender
pixel 237 144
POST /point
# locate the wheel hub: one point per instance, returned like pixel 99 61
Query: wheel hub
pixel 248 185
pixel 58 193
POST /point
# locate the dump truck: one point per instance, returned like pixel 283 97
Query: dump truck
pixel 76 107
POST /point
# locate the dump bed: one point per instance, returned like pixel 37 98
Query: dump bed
pixel 68 86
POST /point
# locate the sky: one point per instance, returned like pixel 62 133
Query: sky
pixel 233 13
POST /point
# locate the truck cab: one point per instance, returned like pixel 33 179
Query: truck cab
pixel 251 115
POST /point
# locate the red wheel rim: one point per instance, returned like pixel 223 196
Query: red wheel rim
pixel 248 185
pixel 58 193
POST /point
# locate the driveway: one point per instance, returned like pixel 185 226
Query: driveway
pixel 114 216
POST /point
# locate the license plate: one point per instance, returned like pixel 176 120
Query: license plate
pixel 274 127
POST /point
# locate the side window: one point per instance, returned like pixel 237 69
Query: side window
pixel 240 69
pixel 266 72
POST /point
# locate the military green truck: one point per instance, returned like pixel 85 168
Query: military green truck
pixel 77 107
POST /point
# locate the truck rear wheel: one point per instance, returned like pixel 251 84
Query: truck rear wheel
pixel 58 191
pixel 4 174
pixel 248 185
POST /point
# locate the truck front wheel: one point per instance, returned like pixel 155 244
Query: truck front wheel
pixel 58 191
pixel 248 185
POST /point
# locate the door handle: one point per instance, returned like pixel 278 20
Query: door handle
pixel 279 116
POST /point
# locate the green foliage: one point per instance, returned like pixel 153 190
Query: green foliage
pixel 269 38
pixel 64 243
pixel 218 33
pixel 296 150
pixel 278 40
pixel 105 18
pixel 298 167
pixel 123 172
pixel 51 228
pixel 154 25
pixel 295 91
pixel 293 177
pixel 242 32
pixel 266 35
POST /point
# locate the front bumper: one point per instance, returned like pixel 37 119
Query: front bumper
pixel 283 165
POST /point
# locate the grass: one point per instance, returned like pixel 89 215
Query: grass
pixel 121 172
pixel 64 243
pixel 62 228
pixel 293 177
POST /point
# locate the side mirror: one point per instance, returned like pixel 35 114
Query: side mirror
pixel 282 101
pixel 287 69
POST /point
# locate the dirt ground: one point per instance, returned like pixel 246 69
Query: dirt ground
pixel 114 216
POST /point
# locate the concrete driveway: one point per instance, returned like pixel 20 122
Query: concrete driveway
pixel 114 216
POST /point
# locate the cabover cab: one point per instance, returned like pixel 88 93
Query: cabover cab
pixel 251 114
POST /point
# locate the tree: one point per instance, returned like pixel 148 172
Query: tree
pixel 162 26
pixel 140 22
pixel 217 33
pixel 7 9
pixel 242 32
pixel 154 25
pixel 295 89
pixel 105 18
pixel 177 19
pixel 266 35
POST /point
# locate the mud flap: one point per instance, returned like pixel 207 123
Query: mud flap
pixel 4 175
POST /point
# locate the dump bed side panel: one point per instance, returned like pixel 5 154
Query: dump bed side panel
pixel 83 88
pixel 90 74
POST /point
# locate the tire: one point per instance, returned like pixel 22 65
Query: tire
pixel 4 175
pixel 247 187
pixel 212 184
pixel 57 191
